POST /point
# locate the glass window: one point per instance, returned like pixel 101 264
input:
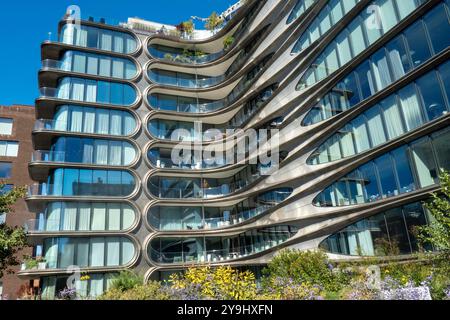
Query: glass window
pixel 418 43
pixel 387 177
pixel 360 134
pixel 343 47
pixel 411 108
pixel 444 72
pixel 5 170
pixel 438 27
pixel 370 182
pixel 97 252
pixel 397 232
pixel 357 36
pixel 430 88
pixel 405 7
pixel 424 163
pixel 365 80
pixel 398 57
pixel 414 216
pixel 371 24
pixel 375 126
pixel 392 116
pixel 381 70
pixel 403 169
pixel 387 14
pixel 442 147
pixel 6 125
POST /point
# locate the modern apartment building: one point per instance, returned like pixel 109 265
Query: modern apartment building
pixel 359 92
pixel 16 124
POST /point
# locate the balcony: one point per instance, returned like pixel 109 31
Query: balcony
pixel 211 223
pixel 192 190
pixel 211 249
pixel 183 80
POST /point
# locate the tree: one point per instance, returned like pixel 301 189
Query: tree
pixel 437 233
pixel 213 22
pixel 12 239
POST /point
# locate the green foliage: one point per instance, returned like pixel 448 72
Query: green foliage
pixel 311 267
pixel 12 239
pixel 126 280
pixel 150 291
pixel 188 26
pixel 437 232
pixel 228 41
pixel 169 57
pixel 213 22
pixel 405 272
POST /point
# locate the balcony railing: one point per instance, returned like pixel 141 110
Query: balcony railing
pixel 193 83
pixel 47 92
pixel 42 225
pixel 195 192
pixel 219 255
pixel 212 223
pixel 48 156
pixel 48 124
pixel 194 107
pixel 56 65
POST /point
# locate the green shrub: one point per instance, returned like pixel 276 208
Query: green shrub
pixel 150 291
pixel 311 267
pixel 126 280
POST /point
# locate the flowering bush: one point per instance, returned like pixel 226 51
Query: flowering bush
pixel 287 289
pixel 68 294
pixel 359 289
pixel 222 283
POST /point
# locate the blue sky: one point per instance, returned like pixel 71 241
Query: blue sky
pixel 26 23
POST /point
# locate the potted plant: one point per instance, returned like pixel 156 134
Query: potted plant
pixel 42 263
pixel 30 263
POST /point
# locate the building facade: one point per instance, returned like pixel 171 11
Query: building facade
pixel 355 95
pixel 16 124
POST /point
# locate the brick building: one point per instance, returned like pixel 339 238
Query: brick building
pixel 16 124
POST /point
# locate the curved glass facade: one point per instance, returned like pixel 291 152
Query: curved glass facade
pixel 405 169
pixel 85 90
pixel 300 7
pixel 67 182
pixel 217 249
pixel 389 233
pixel 97 38
pixel 182 130
pixel 185 80
pixel 167 102
pixel 360 34
pixel 94 64
pixel 411 107
pixel 253 105
pixel 329 16
pixel 89 151
pixel 162 158
pixel 410 49
pixel 61 253
pixel 201 188
pixel 181 55
pixel 95 286
pixel 85 216
pixel 72 118
pixel 167 218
